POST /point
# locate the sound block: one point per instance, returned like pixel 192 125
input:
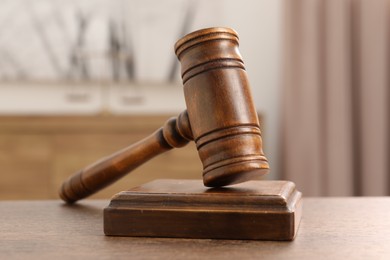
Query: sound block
pixel 261 210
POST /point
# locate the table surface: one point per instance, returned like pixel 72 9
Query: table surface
pixel 331 228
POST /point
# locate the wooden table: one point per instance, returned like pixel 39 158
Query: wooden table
pixel 331 228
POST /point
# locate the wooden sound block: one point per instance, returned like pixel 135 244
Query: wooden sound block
pixel 261 210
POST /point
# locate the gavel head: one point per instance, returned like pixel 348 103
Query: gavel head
pixel 220 108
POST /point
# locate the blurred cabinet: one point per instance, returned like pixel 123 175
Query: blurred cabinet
pixel 38 153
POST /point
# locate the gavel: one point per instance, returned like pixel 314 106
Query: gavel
pixel 221 118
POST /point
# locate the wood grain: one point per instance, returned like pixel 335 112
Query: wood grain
pixel 331 228
pixel 259 210
pixel 220 107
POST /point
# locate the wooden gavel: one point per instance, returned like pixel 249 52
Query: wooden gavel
pixel 220 117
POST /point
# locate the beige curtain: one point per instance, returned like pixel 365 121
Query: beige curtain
pixel 336 97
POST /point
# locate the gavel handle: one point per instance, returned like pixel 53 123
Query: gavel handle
pixel 176 132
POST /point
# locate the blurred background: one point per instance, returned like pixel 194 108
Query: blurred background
pixel 82 79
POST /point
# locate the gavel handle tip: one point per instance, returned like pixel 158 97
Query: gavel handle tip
pixel 64 197
pixel 73 189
